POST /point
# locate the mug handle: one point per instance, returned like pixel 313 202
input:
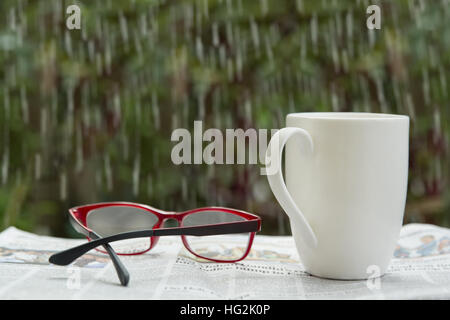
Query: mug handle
pixel 275 176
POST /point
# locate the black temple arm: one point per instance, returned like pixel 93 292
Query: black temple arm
pixel 122 272
pixel 211 229
pixel 67 256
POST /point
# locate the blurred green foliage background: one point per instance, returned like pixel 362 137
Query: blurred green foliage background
pixel 87 115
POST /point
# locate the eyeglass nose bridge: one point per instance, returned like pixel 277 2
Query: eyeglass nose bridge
pixel 168 215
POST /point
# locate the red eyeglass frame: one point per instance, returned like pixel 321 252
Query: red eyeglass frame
pixel 79 216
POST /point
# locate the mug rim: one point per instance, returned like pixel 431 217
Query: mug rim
pixel 348 116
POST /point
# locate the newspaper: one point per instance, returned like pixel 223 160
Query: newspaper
pixel 419 270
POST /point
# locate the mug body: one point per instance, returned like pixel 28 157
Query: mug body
pixel 352 190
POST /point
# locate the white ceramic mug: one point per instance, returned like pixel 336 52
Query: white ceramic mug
pixel 346 178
